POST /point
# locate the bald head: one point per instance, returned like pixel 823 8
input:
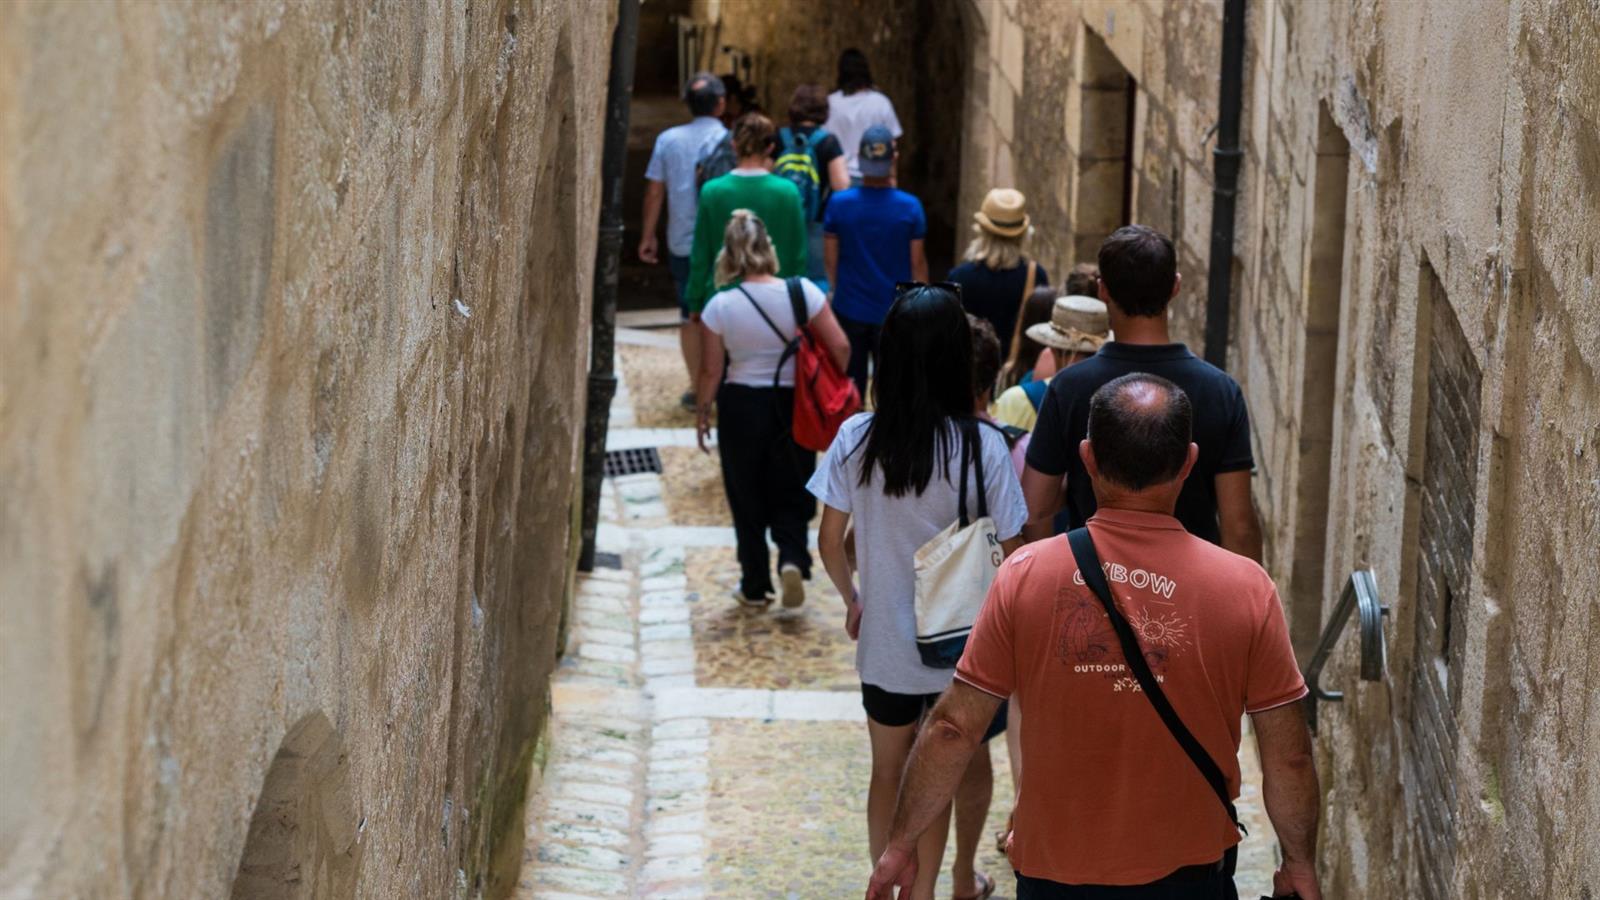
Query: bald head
pixel 1139 429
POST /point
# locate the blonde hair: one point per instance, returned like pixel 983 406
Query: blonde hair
pixel 994 251
pixel 746 249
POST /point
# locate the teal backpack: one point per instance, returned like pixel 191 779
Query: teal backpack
pixel 797 162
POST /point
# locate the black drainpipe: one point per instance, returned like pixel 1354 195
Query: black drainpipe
pixel 1224 196
pixel 607 262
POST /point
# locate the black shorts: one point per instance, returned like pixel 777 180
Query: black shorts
pixel 900 710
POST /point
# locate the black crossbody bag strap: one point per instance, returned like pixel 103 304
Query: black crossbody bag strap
pixel 790 345
pixel 1089 565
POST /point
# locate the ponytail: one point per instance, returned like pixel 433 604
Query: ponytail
pixel 746 249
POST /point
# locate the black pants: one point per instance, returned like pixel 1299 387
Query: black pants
pixel 863 346
pixel 764 473
pixel 1213 882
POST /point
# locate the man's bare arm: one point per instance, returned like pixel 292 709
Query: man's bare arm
pixel 654 194
pixel 1043 494
pixel 1236 514
pixel 1291 794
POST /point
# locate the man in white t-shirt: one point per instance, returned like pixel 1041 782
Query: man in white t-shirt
pixel 856 106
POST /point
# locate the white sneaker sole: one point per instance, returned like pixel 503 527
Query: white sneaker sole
pixel 794 587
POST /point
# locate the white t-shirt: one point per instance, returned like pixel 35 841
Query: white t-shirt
pixel 888 532
pixel 753 348
pixel 849 117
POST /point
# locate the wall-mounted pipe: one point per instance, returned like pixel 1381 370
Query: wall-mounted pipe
pixel 607 263
pixel 1224 193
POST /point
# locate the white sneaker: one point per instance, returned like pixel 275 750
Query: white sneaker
pixel 794 587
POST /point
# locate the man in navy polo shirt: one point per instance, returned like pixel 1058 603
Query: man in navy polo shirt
pixel 872 239
pixel 1138 279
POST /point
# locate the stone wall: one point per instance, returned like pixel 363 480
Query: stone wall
pixel 293 300
pixel 1450 275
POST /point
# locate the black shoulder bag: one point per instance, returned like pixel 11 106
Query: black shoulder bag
pixel 1089 565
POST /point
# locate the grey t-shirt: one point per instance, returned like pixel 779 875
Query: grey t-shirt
pixel 888 532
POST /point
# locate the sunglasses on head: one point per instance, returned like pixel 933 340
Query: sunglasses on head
pixel 902 288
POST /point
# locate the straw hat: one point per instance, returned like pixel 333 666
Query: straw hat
pixel 1079 324
pixel 1004 213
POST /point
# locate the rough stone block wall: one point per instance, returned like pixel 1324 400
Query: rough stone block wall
pixel 1474 146
pixel 293 305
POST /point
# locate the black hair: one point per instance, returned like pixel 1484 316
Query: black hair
pixel 923 387
pixel 855 74
pixel 1140 426
pixel 1139 268
pixel 1081 280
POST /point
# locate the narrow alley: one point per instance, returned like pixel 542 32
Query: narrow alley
pixel 355 541
pixel 698 748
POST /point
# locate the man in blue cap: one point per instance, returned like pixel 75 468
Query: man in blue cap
pixel 872 239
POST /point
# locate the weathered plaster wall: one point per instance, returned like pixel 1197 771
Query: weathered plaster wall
pixel 281 520
pixel 1465 325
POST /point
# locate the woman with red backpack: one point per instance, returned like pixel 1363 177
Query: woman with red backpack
pixel 750 348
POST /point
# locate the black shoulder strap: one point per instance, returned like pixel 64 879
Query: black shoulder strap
pixel 1089 566
pixel 791 345
pixel 763 314
pixel 971 450
pixel 797 302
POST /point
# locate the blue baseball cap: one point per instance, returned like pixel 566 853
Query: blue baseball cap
pixel 877 152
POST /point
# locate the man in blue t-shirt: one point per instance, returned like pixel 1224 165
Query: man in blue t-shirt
pixel 872 239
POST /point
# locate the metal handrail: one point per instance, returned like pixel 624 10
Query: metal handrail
pixel 1360 592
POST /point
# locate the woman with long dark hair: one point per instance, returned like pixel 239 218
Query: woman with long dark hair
pixel 898 472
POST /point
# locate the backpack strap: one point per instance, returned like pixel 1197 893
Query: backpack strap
pixel 797 302
pixel 1089 567
pixel 1011 433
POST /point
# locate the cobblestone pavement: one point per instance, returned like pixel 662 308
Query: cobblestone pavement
pixel 697 749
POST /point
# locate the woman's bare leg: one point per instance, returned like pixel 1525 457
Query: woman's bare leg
pixel 891 745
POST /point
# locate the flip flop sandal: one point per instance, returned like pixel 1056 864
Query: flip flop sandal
pixel 984 894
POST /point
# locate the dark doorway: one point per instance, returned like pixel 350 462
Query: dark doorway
pixel 1324 309
pixel 656 107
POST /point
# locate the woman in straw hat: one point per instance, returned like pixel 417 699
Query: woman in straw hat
pixel 995 277
pixel 1078 326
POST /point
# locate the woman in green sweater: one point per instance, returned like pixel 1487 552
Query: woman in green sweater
pixel 749 186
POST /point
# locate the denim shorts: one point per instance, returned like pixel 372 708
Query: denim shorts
pixel 679 266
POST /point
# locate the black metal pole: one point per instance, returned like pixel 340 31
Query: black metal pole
pixel 607 262
pixel 1224 194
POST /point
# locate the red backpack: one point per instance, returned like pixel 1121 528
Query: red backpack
pixel 824 396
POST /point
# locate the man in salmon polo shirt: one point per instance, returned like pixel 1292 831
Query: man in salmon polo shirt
pixel 1111 805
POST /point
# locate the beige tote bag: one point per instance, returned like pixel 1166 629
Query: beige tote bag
pixel 954 570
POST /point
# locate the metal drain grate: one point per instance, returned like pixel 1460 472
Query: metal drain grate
pixel 607 560
pixel 632 461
